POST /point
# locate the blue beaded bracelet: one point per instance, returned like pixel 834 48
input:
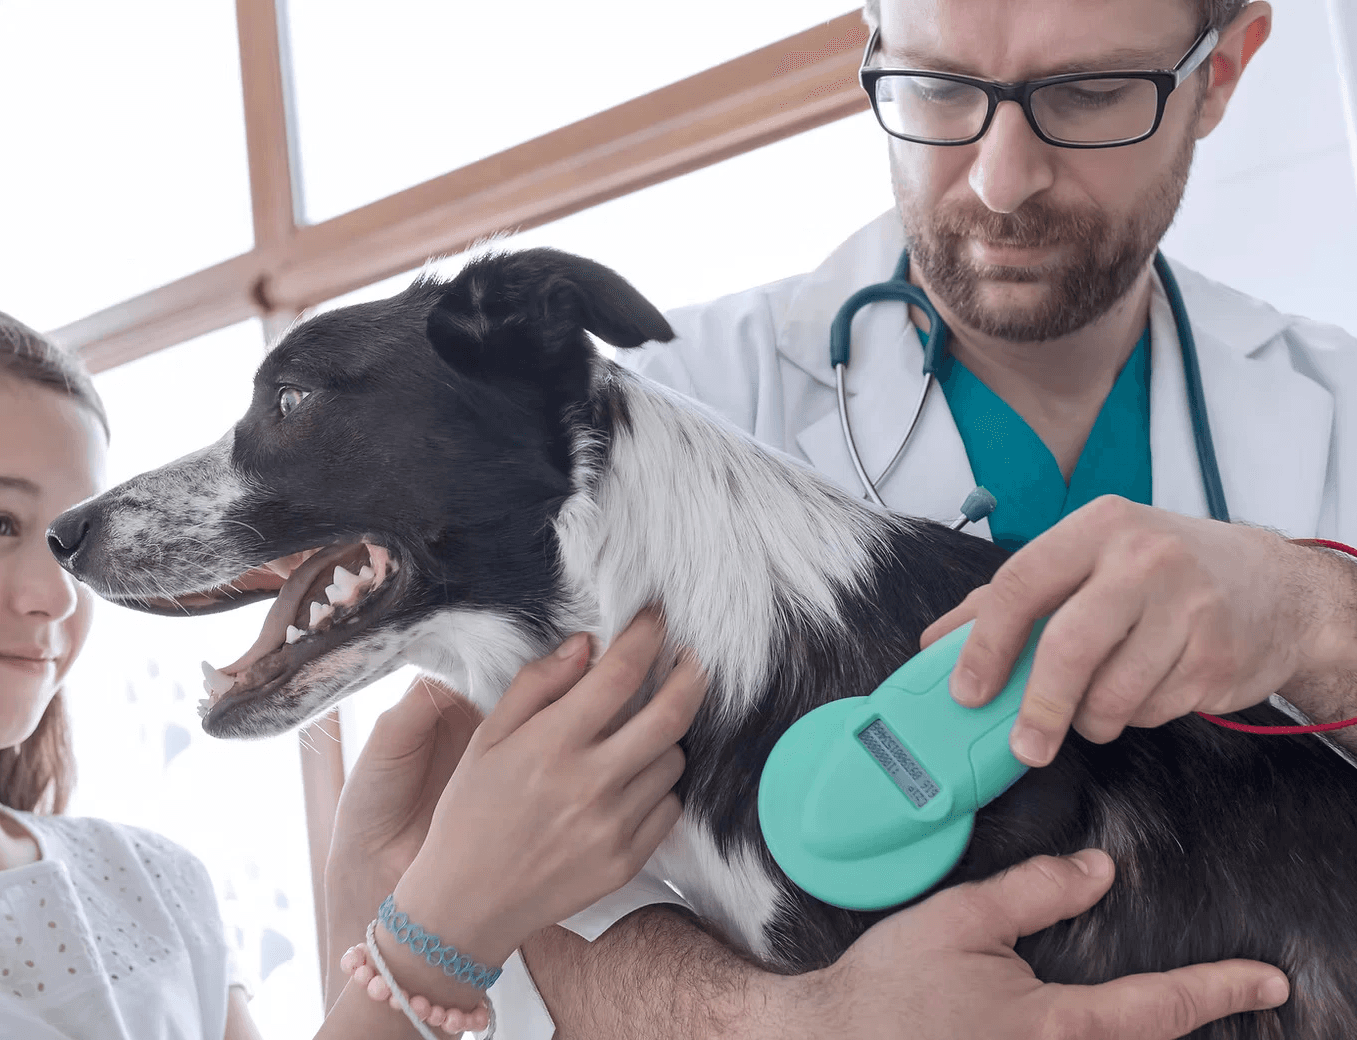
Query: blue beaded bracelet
pixel 431 948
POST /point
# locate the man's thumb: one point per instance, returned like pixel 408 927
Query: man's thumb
pixel 1039 892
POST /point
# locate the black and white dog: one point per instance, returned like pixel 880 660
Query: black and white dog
pixel 454 477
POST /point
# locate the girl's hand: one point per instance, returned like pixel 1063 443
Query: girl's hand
pixel 385 809
pixel 389 797
pixel 552 805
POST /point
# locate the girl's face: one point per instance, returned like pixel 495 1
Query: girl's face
pixel 51 457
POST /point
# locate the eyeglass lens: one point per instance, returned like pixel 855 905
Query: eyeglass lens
pixel 1086 111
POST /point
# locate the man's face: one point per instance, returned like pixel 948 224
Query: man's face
pixel 1020 239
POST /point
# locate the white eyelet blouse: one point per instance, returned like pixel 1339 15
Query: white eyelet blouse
pixel 113 934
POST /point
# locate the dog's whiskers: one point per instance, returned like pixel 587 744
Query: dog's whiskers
pixel 242 523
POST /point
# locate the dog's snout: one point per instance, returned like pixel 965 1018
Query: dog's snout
pixel 67 533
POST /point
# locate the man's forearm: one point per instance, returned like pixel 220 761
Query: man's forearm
pixel 656 974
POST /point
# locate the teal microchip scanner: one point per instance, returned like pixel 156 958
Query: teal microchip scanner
pixel 867 802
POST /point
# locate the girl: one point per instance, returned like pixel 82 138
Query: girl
pixel 110 931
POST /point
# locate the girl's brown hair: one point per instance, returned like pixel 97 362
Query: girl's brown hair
pixel 38 775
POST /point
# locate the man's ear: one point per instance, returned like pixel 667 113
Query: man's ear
pixel 526 313
pixel 1239 42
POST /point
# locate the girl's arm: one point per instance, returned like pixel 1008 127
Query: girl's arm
pixel 551 806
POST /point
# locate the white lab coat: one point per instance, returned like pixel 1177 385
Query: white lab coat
pixel 1281 395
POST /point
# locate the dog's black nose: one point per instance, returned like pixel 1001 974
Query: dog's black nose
pixel 66 534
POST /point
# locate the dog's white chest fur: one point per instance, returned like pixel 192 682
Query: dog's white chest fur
pixel 640 530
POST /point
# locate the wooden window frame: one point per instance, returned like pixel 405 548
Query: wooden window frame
pixel 796 84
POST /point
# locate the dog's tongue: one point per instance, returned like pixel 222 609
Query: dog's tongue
pixel 284 608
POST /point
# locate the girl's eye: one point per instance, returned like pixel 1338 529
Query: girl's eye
pixel 8 526
pixel 289 398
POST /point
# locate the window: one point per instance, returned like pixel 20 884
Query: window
pixel 124 151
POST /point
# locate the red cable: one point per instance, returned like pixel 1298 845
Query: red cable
pixel 1319 727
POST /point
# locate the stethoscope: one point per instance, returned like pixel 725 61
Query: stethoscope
pixel 899 289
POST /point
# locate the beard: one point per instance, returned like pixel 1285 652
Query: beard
pixel 1099 264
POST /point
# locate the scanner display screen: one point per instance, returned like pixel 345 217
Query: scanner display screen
pixel 902 767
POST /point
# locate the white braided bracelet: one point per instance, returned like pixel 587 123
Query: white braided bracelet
pixel 402 999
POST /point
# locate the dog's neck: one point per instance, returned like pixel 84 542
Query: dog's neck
pixel 681 510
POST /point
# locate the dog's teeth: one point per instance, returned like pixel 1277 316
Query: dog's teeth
pixel 366 573
pixel 293 633
pixel 216 682
pixel 204 706
pixel 345 582
pixel 319 613
pixel 334 593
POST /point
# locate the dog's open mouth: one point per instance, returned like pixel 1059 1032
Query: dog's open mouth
pixel 323 597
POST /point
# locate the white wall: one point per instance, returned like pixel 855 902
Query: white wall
pixel 1271 208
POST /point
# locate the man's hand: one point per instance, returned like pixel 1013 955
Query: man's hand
pixel 946 968
pixel 1153 615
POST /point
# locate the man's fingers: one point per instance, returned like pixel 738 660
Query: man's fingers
pixel 537 684
pixel 951 621
pixel 1132 687
pixel 1076 642
pixel 1030 585
pixel 660 723
pixel 1031 896
pixel 1173 1003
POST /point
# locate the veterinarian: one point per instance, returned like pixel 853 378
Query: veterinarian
pixel 1065 390
pixel 464 854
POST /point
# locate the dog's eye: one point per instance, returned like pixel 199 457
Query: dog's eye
pixel 289 397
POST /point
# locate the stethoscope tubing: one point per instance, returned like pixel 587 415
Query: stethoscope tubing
pixel 900 289
pixel 867 483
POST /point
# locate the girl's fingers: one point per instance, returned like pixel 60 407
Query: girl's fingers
pixel 654 828
pixel 406 726
pixel 658 724
pixel 649 787
pixel 613 681
pixel 537 685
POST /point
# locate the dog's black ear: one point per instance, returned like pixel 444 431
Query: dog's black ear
pixel 508 310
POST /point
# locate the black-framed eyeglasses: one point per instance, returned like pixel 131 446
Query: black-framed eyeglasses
pixel 1077 110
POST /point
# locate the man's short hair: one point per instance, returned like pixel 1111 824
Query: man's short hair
pixel 1211 14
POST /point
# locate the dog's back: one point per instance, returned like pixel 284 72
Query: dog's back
pixel 1227 844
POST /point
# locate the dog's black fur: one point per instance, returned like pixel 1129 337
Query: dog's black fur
pixel 1226 844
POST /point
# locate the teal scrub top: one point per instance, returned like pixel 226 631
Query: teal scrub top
pixel 1015 465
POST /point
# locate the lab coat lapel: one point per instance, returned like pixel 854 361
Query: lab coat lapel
pixel 883 381
pixel 1270 425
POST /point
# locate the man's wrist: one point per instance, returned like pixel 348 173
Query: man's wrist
pixel 1330 581
pixel 1328 654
